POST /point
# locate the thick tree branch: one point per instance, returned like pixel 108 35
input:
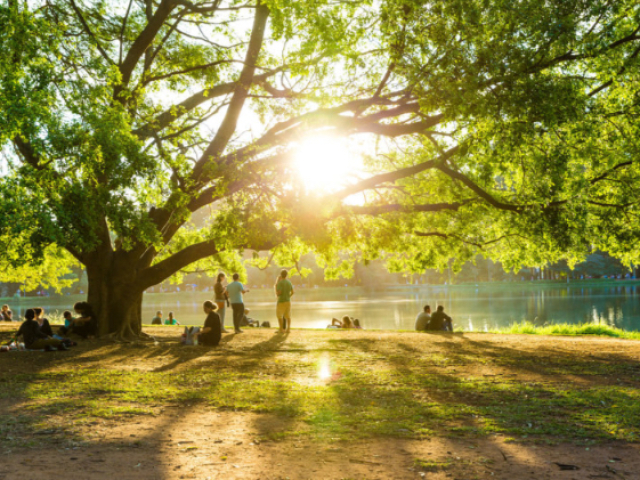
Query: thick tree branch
pixel 479 191
pixel 166 118
pixel 167 267
pixel 396 175
pixel 394 207
pixel 28 153
pixel 230 121
pixel 143 42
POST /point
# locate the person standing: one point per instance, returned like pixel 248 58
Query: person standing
pixel 221 299
pixel 235 290
pixel 423 319
pixel 284 291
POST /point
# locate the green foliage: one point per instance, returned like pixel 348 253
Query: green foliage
pixel 115 133
pixel 52 270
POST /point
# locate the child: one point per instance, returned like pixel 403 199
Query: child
pixel 68 319
pixel 211 333
pixel 68 323
pixel 171 320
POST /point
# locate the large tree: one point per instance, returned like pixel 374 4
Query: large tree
pixel 507 128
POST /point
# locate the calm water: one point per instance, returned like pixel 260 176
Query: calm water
pixel 480 308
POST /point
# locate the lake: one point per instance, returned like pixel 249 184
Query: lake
pixel 478 308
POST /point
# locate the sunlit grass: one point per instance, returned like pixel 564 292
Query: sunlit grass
pixel 568 329
pixel 327 386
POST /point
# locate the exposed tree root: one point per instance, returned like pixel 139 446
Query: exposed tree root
pixel 127 335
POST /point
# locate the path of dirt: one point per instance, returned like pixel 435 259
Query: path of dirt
pixel 212 445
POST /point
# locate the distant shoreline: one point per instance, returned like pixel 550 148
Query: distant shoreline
pixel 35 300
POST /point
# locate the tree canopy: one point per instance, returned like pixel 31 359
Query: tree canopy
pixel 485 126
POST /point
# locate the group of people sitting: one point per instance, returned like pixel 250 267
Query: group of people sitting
pixel 437 322
pixel 346 322
pixel 157 320
pixel 37 334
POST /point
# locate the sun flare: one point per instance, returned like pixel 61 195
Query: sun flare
pixel 325 163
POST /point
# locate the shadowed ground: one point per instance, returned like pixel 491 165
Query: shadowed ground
pixel 324 404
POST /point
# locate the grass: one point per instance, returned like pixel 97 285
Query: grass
pixel 381 384
pixel 568 329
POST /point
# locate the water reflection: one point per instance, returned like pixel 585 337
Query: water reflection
pixel 474 308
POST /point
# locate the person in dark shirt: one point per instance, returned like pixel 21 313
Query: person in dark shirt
pixel 34 339
pixel 157 320
pixel 211 332
pixel 440 321
pixel 45 326
pixel 86 324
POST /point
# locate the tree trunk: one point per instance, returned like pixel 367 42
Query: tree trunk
pixel 116 298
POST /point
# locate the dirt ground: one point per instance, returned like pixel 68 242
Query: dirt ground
pixel 184 441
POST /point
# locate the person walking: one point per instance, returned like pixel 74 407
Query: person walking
pixel 284 291
pixel 235 290
pixel 221 299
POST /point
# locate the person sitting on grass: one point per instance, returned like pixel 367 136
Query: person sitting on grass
pixel 86 325
pixel 171 320
pixel 356 324
pixel 211 332
pixel 7 315
pixel 157 320
pixel 440 321
pixel 34 338
pixel 45 326
pixel 68 323
pixel 423 319
pixel 248 321
pixel 68 319
pixel 344 323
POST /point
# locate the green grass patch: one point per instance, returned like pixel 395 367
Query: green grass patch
pixel 568 329
pixel 431 465
pixel 331 387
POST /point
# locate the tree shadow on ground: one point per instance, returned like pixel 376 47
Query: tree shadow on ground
pixel 401 389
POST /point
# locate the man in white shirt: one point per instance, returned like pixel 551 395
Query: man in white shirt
pixel 423 319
